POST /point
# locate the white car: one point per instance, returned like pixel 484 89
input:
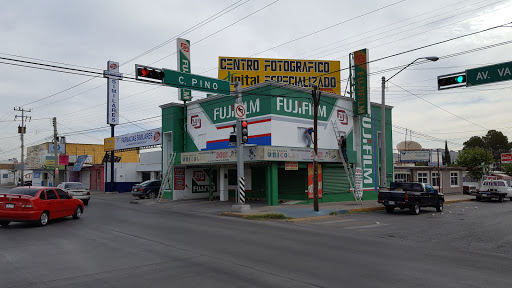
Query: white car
pixel 76 190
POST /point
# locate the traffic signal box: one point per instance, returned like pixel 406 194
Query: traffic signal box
pixel 145 73
pixel 245 131
pixel 451 81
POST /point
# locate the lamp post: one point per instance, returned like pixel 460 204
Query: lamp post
pixel 383 122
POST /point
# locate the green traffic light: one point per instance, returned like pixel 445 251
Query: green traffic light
pixel 459 79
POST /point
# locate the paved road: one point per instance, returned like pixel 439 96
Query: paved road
pixel 117 244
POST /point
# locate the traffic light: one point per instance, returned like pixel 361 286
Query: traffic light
pixel 145 72
pixel 245 131
pixel 451 81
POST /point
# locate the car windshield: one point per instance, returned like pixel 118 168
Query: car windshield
pixel 76 185
pixel 24 191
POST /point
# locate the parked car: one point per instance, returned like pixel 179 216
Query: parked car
pixel 146 189
pixel 469 190
pixel 494 189
pixel 37 204
pixel 76 190
pixel 411 195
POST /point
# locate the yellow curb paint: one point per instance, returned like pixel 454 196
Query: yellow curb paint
pixel 231 214
pixel 313 218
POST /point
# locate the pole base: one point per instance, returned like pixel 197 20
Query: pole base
pixel 240 208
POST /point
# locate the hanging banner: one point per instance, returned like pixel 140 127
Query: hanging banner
pixel 179 178
pixel 303 73
pixel 184 66
pixel 360 77
pixel 311 195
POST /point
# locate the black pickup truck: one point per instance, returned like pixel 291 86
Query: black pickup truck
pixel 411 195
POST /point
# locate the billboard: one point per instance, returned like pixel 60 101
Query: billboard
pixel 303 73
pixel 415 156
pixel 134 140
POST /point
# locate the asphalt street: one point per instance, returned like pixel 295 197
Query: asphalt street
pixel 118 244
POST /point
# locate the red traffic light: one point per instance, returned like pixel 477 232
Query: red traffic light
pixel 144 72
pixel 244 124
pixel 149 73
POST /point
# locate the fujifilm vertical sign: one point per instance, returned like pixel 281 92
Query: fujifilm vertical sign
pixel 113 76
pixel 184 66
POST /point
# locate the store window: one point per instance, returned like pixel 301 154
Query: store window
pixel 435 179
pixel 401 177
pixel 423 177
pixel 454 179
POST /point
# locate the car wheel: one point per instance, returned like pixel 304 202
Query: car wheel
pixel 501 198
pixel 78 212
pixel 415 210
pixel 141 197
pixel 86 202
pixel 390 209
pixel 439 206
pixel 43 219
pixel 4 223
pixel 478 198
pixel 152 195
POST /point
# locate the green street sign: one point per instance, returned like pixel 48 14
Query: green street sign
pixel 196 82
pixel 489 74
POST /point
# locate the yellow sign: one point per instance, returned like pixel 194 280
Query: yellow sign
pixel 303 73
pixel 291 165
pixel 109 143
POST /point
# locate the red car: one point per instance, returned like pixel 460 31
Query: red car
pixel 37 204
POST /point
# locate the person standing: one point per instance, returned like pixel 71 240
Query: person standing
pixel 307 134
pixel 343 146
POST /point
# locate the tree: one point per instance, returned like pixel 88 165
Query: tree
pixel 507 168
pixel 447 160
pixel 472 159
pixel 497 143
pixel 474 141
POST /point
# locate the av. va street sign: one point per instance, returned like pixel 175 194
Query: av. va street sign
pixel 489 74
pixel 196 82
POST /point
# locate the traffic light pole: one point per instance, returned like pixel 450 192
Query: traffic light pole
pixel 56 154
pixel 240 195
pixel 112 184
pixel 316 101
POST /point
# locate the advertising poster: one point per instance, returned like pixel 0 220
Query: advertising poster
pixel 201 181
pixel 179 178
pixel 310 181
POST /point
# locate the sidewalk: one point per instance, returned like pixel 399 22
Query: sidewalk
pixel 289 209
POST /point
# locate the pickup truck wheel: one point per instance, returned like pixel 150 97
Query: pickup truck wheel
pixel 439 206
pixel 415 210
pixel 478 198
pixel 389 209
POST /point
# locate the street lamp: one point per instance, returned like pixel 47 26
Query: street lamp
pixel 383 122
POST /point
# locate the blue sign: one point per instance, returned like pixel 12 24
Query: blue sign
pixel 79 162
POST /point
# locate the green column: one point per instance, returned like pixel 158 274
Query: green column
pixel 272 193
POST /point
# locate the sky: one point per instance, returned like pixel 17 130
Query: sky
pixel 84 35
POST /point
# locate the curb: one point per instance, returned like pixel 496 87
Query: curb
pixel 232 214
pixel 458 201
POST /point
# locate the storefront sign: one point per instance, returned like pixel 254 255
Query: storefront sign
pixel 311 195
pixel 291 165
pixel 367 152
pixel 50 163
pixel 63 159
pixel 184 65
pixel 112 75
pixel 361 82
pixel 61 148
pixel 109 144
pixel 133 140
pixel 80 160
pixel 302 73
pixel 179 178
pixel 260 153
pixel 201 181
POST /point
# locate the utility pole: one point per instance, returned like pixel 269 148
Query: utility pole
pixel 438 173
pixel 56 153
pixel 22 130
pixel 240 197
pixel 316 101
pixel 383 175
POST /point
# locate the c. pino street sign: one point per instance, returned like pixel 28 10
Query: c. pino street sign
pixel 489 74
pixel 195 82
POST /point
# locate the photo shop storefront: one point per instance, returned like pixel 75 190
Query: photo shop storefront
pixel 278 165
